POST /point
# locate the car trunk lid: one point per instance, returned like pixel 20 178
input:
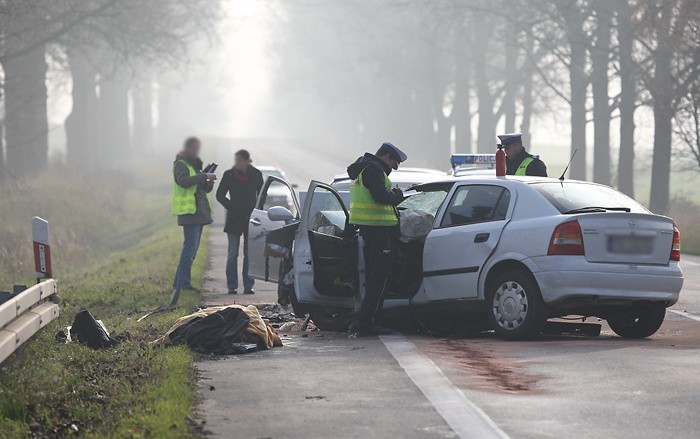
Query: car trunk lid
pixel 626 238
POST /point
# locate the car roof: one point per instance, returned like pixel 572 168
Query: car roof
pixel 404 175
pixel 509 179
pixel 267 168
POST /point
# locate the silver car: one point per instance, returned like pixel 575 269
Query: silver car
pixel 509 252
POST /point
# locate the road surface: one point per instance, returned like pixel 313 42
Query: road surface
pixel 420 386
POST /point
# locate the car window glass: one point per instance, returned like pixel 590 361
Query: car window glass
pixel 475 204
pixel 502 207
pixel 342 186
pixel 326 214
pixel 278 194
pixel 566 196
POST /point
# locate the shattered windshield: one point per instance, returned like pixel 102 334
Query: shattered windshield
pixel 427 199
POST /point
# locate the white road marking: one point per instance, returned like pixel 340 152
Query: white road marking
pixel 685 314
pixel 462 415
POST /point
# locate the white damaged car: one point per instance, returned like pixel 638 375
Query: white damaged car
pixel 511 252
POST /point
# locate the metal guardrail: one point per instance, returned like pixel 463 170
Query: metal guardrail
pixel 23 315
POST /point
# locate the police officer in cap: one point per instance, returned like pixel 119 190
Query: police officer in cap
pixel 373 210
pixel 518 161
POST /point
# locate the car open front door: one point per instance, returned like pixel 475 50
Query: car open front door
pixel 466 235
pixel 325 250
pixel 275 192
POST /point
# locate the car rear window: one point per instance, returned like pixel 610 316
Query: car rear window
pixel 566 196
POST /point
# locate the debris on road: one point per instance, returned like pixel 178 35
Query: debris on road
pixel 223 330
pixel 284 320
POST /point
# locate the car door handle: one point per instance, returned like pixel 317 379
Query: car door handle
pixel 255 222
pixel 481 237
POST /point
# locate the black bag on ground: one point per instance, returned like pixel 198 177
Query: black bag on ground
pixel 215 333
pixel 87 330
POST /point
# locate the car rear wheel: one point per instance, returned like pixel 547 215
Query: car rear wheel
pixel 637 322
pixel 330 318
pixel 516 310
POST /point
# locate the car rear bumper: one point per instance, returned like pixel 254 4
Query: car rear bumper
pixel 565 277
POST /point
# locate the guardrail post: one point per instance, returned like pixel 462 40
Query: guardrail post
pixel 42 248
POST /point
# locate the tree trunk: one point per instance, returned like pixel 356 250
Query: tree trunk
pixel 142 98
pixel 527 96
pixel 662 88
pixel 661 165
pixel 486 132
pixel 461 113
pixel 115 138
pixel 628 97
pixel 578 84
pixel 600 55
pixel 2 141
pixel 511 79
pixel 26 122
pixel 81 123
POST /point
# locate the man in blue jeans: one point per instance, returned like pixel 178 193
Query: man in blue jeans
pixel 238 193
pixel 190 204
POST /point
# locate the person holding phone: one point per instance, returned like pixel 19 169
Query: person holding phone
pixel 191 205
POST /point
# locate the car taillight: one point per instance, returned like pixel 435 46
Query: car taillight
pixel 676 247
pixel 567 239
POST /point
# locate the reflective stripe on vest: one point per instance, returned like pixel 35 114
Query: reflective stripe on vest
pixel 364 211
pixel 184 201
pixel 522 169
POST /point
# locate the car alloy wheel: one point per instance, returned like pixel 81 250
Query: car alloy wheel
pixel 510 305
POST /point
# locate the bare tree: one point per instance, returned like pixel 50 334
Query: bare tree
pixel 668 66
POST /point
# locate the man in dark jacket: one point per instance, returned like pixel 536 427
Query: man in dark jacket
pixel 190 204
pixel 373 211
pixel 518 161
pixel 238 192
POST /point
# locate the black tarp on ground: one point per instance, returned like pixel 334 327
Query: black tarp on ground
pixel 216 333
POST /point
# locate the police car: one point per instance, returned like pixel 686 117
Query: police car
pixel 402 178
pixel 509 253
pixel 474 164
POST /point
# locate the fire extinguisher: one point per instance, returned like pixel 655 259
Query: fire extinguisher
pixel 500 162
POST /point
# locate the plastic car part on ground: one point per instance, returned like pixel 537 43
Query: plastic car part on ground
pixel 87 330
pixel 257 327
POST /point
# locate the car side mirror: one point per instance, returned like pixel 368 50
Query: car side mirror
pixel 279 213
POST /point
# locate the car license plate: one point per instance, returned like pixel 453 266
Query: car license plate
pixel 630 245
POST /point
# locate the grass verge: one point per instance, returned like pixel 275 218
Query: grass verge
pixel 49 389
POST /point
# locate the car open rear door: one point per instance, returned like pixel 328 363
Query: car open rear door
pixel 275 192
pixel 467 234
pixel 325 250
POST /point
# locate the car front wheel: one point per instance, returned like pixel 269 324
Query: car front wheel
pixel 637 322
pixel 515 306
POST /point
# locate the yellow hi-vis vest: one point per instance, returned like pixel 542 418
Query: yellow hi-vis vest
pixel 364 211
pixel 522 169
pixel 184 201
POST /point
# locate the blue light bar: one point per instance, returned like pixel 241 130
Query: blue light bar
pixel 476 159
pixel 472 159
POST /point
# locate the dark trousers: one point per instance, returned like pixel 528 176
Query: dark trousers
pixel 379 255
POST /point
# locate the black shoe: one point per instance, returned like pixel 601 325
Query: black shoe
pixel 233 291
pixel 249 291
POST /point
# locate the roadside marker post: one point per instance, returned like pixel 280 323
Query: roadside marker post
pixel 42 248
pixel 26 311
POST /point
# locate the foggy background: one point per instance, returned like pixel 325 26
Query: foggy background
pixel 101 83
